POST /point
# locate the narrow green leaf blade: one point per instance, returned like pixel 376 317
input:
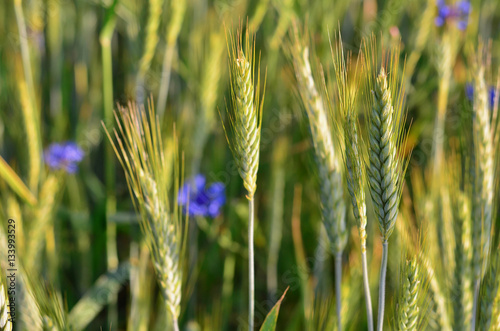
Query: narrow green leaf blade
pixel 271 318
pixel 105 288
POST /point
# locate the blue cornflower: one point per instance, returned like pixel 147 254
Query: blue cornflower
pixel 444 12
pixel 469 93
pixel 203 201
pixel 463 10
pixel 459 12
pixel 64 156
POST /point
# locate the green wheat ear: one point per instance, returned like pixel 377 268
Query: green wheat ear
pixel 326 156
pixel 350 140
pixel 353 151
pixel 387 167
pixel 408 311
pixel 245 115
pixel 5 323
pixel 488 294
pixel 138 146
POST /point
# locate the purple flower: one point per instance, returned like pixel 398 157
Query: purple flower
pixel 463 10
pixel 492 94
pixel 64 156
pixel 203 201
pixel 469 93
pixel 458 12
pixel 444 12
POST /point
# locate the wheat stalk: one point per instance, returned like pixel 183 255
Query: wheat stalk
pixel 177 12
pixel 151 40
pixel 139 149
pixel 353 156
pixel 243 136
pixel 31 125
pixel 386 166
pixel 408 310
pixel 44 221
pixel 329 170
pixel 327 159
pixel 210 79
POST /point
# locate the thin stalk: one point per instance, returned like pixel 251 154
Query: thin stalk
pixel 107 86
pixel 381 293
pixel 175 323
pixel 23 41
pixel 276 231
pixel 31 116
pixel 251 271
pixel 366 289
pixel 165 78
pixel 338 293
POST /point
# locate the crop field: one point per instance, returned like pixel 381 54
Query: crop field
pixel 249 165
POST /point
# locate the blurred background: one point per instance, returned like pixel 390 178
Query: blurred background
pixel 65 65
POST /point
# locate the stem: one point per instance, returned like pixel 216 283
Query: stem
pixel 338 282
pixel 109 173
pixel 381 293
pixel 366 288
pixel 165 78
pixel 25 57
pixel 175 324
pixel 251 272
pixel 474 304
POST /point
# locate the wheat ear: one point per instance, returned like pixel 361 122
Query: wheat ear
pixel 408 310
pixel 462 304
pixel 488 293
pixel 243 136
pixel 386 166
pixel 484 180
pixel 138 146
pixel 353 156
pixel 327 160
pixel 5 323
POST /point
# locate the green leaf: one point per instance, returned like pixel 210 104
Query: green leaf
pixel 271 318
pixel 16 183
pixel 105 288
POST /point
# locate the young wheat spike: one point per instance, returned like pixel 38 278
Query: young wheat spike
pixel 5 323
pixel 488 293
pixel 246 114
pixel 138 146
pixel 484 157
pixel 386 166
pixel 484 178
pixel 353 156
pixel 245 123
pixel 408 310
pixel 327 160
